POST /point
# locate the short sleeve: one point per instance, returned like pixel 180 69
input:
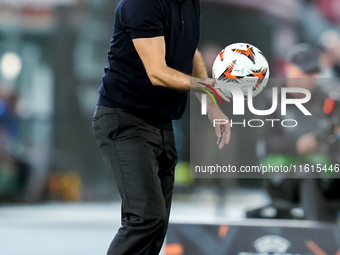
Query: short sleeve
pixel 142 18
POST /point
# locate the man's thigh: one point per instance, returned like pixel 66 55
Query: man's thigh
pixel 133 151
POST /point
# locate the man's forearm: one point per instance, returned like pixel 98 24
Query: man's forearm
pixel 200 71
pixel 152 53
pixel 170 78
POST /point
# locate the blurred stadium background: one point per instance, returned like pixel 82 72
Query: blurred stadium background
pixel 52 55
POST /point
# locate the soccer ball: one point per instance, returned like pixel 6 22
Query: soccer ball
pixel 242 65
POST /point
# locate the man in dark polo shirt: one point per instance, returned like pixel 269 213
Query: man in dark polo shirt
pixel 153 63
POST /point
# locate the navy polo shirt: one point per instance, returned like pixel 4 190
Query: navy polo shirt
pixel 125 82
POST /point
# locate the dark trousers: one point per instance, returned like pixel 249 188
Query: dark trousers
pixel 142 159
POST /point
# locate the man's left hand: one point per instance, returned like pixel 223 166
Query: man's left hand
pixel 222 130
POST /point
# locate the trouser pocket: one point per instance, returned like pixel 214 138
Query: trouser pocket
pixel 105 122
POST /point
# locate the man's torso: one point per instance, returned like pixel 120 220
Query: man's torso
pixel 125 83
